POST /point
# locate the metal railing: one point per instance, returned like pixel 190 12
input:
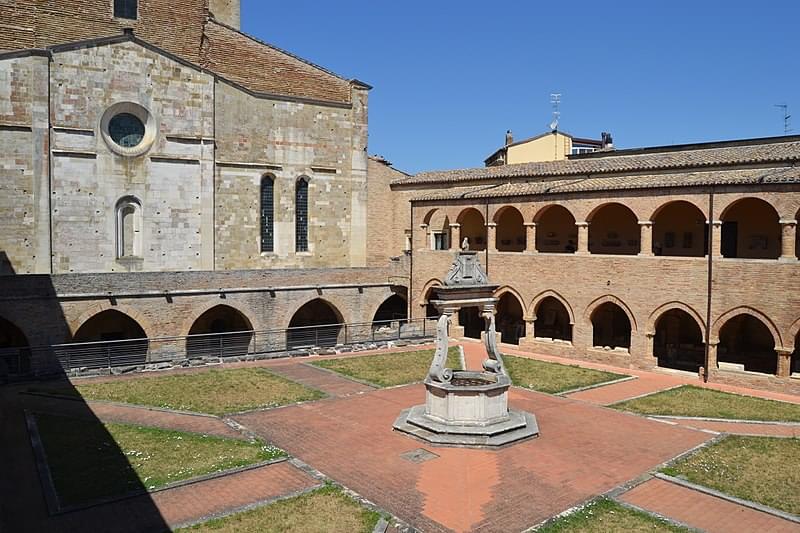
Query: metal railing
pixel 62 358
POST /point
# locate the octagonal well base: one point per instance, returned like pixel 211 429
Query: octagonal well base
pixel 517 426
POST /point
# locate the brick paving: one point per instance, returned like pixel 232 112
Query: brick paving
pixel 583 451
pixel 703 511
pixel 316 378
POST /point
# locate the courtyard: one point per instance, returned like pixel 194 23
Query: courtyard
pixel 306 444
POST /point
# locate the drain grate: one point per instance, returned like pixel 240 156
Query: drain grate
pixel 420 455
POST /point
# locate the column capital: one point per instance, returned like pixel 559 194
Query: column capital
pixel 582 224
pixel 645 222
pixel 456 225
pixel 787 222
pixel 784 352
pixel 423 226
pixel 529 224
pixel 491 224
pixel 714 222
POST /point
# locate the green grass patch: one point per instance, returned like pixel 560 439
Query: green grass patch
pixel 689 400
pixel 216 392
pixel 759 469
pixel 325 510
pixel 604 515
pixel 388 370
pixel 553 378
pixel 89 460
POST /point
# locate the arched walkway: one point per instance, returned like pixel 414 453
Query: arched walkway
pixel 750 229
pixel 15 355
pixel 678 341
pixel 552 320
pixel 610 327
pixel 509 319
pixel 510 230
pixel 473 226
pixel 316 324
pixel 124 342
pixel 427 291
pixel 472 322
pixel 394 307
pixel 613 229
pixel 556 231
pixel 794 365
pixel 679 229
pixel 221 331
pixel 745 341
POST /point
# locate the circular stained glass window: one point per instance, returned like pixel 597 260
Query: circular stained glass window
pixel 126 130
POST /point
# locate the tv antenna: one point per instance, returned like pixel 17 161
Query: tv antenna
pixel 555 101
pixel 786 116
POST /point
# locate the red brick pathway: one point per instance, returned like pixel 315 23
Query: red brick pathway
pixel 583 451
pixel 319 379
pixel 624 390
pixel 703 511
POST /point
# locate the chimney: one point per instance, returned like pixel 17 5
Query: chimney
pixel 608 142
pixel 509 137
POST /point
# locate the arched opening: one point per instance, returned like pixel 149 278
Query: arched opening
pixel 794 364
pixel 430 310
pixel 614 229
pixel 393 308
pixel 678 341
pixel 439 229
pixel 124 342
pixel 473 227
pixel 552 320
pixel 746 343
pixel 797 239
pixel 472 322
pixel 301 215
pixel 556 231
pixel 316 324
pixel 680 229
pixel 15 355
pixel 610 327
pixel 129 227
pixel 510 234
pixel 221 331
pixel 267 214
pixel 750 230
pixel 509 321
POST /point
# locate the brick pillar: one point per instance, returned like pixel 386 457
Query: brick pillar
pixel 646 237
pixel 491 236
pixel 426 238
pixel 583 237
pixel 712 356
pixel 784 362
pixel 716 239
pixel 788 232
pixel 455 237
pixel 530 237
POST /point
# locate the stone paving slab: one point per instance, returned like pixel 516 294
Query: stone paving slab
pixel 583 450
pixel 703 511
pixel 739 428
pixel 316 378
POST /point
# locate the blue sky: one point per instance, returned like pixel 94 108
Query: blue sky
pixel 450 77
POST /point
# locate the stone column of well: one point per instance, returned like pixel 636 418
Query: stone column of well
pixel 491 236
pixel 530 237
pixel 583 237
pixel 716 239
pixel 646 237
pixel 455 237
pixel 788 235
pixel 784 362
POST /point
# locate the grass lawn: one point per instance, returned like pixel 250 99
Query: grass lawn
pixel 89 460
pixel 325 510
pixel 605 516
pixel 759 469
pixel 217 392
pixel 689 400
pixel 553 378
pixel 390 369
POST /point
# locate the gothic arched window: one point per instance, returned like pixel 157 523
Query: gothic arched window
pixel 129 227
pixel 267 214
pixel 301 215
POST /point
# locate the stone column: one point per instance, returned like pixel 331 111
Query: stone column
pixel 788 232
pixel 426 238
pixel 784 362
pixel 716 239
pixel 646 237
pixel 455 237
pixel 530 237
pixel 491 236
pixel 583 238
pixel 712 356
